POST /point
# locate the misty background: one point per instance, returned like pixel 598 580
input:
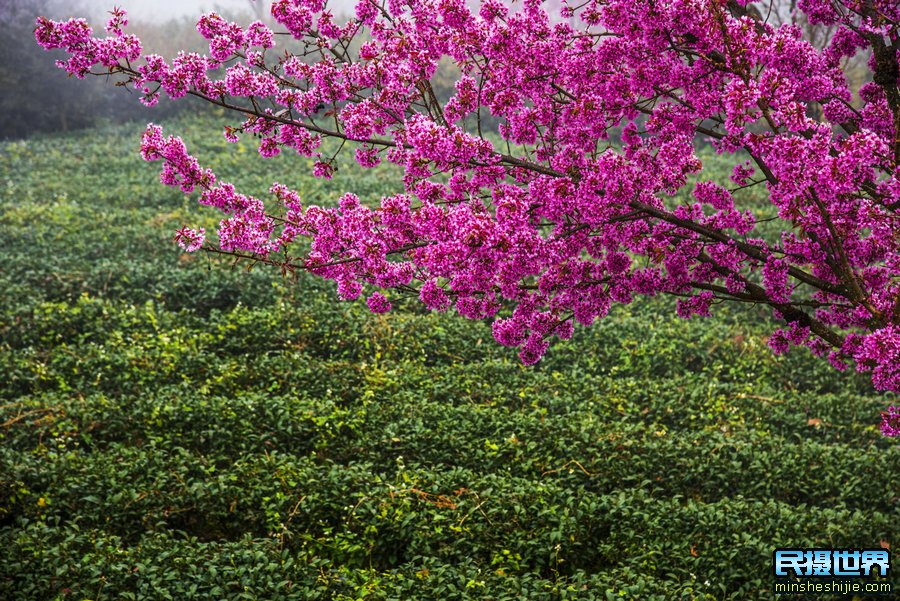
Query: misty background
pixel 36 96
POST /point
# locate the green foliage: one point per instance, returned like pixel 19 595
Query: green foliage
pixel 171 428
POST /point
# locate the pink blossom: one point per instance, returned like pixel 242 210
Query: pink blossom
pixel 322 169
pixel 378 303
pixel 890 422
pixel 189 239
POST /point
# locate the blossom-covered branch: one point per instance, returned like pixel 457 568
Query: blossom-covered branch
pixel 572 202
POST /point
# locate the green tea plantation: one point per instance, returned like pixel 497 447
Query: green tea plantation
pixel 180 427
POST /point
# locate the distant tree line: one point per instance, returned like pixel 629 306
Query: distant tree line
pixel 35 97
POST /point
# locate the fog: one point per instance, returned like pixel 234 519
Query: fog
pixel 163 10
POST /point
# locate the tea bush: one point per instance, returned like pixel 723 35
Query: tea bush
pixel 175 428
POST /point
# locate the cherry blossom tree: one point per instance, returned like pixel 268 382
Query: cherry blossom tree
pixel 591 190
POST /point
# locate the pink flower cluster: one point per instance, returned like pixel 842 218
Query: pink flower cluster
pixel 189 239
pixel 575 205
pixel 75 36
pixel 890 422
pixel 227 39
